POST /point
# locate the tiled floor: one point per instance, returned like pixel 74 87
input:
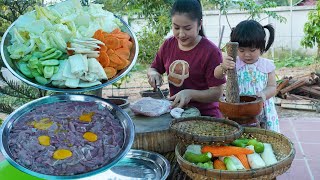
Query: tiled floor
pixel 305 134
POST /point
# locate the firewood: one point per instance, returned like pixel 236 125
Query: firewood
pixel 310 91
pixel 307 98
pixel 294 85
pixel 282 85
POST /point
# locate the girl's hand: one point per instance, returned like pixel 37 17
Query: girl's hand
pixel 228 63
pixel 154 78
pixel 181 99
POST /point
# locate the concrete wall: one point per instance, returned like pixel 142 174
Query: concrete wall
pixel 288 34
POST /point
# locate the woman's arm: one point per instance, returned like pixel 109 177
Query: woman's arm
pixel 205 96
pixel 270 90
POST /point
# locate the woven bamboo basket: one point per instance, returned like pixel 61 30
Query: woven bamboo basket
pixel 282 146
pixel 205 130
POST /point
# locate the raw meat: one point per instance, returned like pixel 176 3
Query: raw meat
pixel 150 107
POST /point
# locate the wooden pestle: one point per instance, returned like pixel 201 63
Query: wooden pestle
pixel 232 91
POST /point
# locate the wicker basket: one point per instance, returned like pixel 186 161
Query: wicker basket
pixel 282 146
pixel 205 130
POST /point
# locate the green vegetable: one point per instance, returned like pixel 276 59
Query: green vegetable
pixel 196 158
pixel 206 165
pixel 41 80
pixel 258 146
pixel 240 142
pixel 48 71
pixel 51 62
pixel 26 58
pixel 25 69
pixel 37 54
pixel 229 164
pixel 52 55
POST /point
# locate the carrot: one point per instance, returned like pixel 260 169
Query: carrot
pixel 123 53
pixel 217 164
pixel 112 43
pixel 244 160
pixel 98 35
pixel 126 43
pixel 225 150
pixel 103 48
pixel 110 72
pixel 124 64
pixel 104 59
pixel 115 31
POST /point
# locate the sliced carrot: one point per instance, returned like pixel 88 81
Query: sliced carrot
pixel 126 43
pixel 103 48
pixel 110 72
pixel 112 43
pixel 225 150
pixel 104 59
pixel 116 30
pixel 115 59
pixel 98 35
pixel 124 53
pixel 217 164
pixel 244 160
pixel 124 64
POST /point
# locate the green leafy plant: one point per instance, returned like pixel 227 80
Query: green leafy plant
pixel 312 30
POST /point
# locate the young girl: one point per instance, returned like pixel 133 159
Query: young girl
pixel 256 75
pixel 189 59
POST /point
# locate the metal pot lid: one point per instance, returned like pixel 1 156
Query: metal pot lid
pixel 136 165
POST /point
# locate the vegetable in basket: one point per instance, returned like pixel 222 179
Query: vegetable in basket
pixel 258 146
pixel 218 164
pixel 197 158
pixel 268 156
pixel 255 159
pixel 196 149
pixel 241 142
pixel 225 150
pixel 206 165
pixel 235 161
pixel 229 164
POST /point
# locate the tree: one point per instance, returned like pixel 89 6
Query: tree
pixel 12 93
pixel 312 30
pixel 10 10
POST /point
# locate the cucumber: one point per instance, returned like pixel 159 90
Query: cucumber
pixel 197 158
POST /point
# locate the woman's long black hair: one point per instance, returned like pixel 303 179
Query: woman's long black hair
pixel 191 7
pixel 250 33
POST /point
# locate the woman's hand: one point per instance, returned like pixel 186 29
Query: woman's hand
pixel 181 99
pixel 154 78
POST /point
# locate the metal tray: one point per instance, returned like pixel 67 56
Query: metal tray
pixel 10 64
pixel 124 118
pixel 137 165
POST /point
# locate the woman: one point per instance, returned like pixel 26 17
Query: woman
pixel 189 59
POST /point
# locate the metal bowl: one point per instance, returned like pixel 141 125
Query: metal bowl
pixel 15 71
pixel 15 116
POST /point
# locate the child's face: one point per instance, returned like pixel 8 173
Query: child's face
pixel 248 55
pixel 185 30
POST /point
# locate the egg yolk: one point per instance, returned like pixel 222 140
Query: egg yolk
pixel 43 124
pixel 44 140
pixel 86 117
pixel 90 136
pixel 62 154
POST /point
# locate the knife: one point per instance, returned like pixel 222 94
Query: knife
pixel 159 90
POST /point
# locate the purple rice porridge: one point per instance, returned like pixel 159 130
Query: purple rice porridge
pixel 66 138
